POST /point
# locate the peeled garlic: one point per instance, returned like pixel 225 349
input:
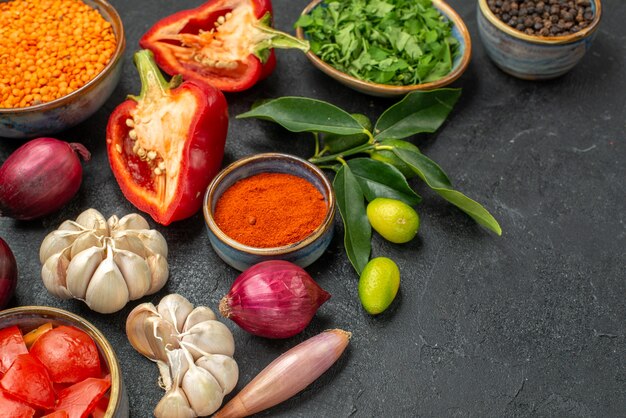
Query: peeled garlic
pixel 105 263
pixel 197 348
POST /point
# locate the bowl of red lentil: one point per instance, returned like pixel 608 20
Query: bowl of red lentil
pixel 60 60
pixel 269 206
pixel 537 39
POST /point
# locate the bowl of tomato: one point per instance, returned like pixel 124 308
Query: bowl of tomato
pixel 54 363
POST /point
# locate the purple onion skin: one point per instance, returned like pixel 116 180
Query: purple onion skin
pixel 40 177
pixel 8 274
pixel 273 299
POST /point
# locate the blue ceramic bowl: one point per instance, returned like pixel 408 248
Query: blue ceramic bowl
pixel 27 318
pixel 459 31
pixel 533 57
pixel 60 114
pixel 242 256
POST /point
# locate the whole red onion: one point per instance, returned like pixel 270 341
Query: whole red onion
pixel 8 274
pixel 273 299
pixel 40 177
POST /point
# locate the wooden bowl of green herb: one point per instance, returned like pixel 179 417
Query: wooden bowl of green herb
pixel 386 48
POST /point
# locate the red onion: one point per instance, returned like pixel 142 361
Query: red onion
pixel 8 274
pixel 273 299
pixel 40 177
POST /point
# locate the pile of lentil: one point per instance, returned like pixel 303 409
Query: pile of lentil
pixel 49 49
pixel 544 17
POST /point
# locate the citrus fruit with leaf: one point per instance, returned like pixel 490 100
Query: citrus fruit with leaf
pixel 379 284
pixel 393 219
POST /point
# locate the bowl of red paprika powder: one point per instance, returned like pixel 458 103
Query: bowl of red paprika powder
pixel 269 207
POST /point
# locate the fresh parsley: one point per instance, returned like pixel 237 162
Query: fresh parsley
pixel 396 42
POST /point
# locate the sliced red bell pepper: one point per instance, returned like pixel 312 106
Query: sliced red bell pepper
pixel 27 380
pixel 13 408
pixel 167 144
pixel 227 43
pixel 11 346
pixel 69 354
pixel 80 399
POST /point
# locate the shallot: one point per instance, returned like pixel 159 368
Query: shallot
pixel 40 177
pixel 289 374
pixel 8 273
pixel 273 299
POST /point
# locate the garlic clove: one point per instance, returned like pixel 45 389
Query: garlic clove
pixel 132 221
pixel 202 390
pixel 175 308
pixel 209 337
pixel 69 225
pixel 135 272
pixel 160 272
pixel 223 368
pixel 55 242
pixel 199 314
pixel 161 336
pixel 85 241
pixel 130 242
pixel 53 274
pixel 80 270
pixel 178 364
pixel 93 220
pixel 151 239
pixel 174 405
pixel 107 291
pixel 135 330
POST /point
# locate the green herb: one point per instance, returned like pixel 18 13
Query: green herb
pixel 393 160
pixel 397 42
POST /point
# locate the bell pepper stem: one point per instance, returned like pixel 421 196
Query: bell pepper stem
pixel 152 80
pixel 276 39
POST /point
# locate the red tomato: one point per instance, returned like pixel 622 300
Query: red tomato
pixel 11 346
pixel 69 354
pixel 57 414
pixel 13 408
pixel 27 380
pixel 80 399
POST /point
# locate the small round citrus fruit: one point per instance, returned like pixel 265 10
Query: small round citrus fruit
pixel 394 220
pixel 379 284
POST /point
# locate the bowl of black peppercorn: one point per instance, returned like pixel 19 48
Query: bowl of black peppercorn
pixel 537 39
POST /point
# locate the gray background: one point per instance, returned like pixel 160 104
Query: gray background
pixel 528 324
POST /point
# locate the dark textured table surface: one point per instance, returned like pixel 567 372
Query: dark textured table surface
pixel 528 324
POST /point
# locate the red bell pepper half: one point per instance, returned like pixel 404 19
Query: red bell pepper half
pixel 27 380
pixel 167 144
pixel 13 408
pixel 69 354
pixel 80 399
pixel 227 43
pixel 11 346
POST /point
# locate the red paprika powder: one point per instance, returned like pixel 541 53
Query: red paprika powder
pixel 270 210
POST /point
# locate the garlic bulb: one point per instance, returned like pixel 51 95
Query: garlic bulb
pixel 194 352
pixel 105 263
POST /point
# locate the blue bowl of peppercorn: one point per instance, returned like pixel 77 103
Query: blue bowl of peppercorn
pixel 269 206
pixel 537 40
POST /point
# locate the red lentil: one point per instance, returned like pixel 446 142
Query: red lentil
pixel 50 48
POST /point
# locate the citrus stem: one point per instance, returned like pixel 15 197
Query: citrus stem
pixel 336 157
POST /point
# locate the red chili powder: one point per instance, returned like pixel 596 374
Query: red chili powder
pixel 270 210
